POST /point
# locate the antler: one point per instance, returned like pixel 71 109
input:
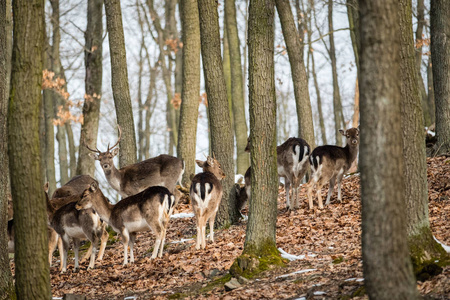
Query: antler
pixel 96 149
pixel 120 136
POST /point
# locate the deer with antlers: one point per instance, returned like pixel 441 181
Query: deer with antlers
pixel 163 170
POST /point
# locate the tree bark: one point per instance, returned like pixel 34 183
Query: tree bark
pixel 30 226
pixel 339 122
pixel 440 57
pixel 354 24
pixel 190 91
pixel 387 266
pixel 93 86
pixel 420 239
pixel 219 116
pixel 237 89
pixel 301 91
pixel 260 241
pixel 119 82
pixel 430 96
pixel 6 280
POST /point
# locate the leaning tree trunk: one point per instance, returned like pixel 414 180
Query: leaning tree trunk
pixel 30 226
pixel 424 249
pixel 440 56
pixel 219 116
pixel 237 89
pixel 387 266
pixel 119 82
pixel 6 280
pixel 260 235
pixel 301 91
pixel 93 86
pixel 339 122
pixel 190 91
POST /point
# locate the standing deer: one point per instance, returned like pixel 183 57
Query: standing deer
pixel 292 157
pixel 206 193
pixel 163 170
pixel 71 223
pixel 149 209
pixel 329 163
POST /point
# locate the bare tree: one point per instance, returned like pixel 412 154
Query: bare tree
pixel 387 265
pixel 219 115
pixel 30 226
pixel 190 91
pixel 440 56
pixel 92 84
pixel 119 82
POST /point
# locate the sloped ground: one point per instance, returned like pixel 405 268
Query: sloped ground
pixel 328 239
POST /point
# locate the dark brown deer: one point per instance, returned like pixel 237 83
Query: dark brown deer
pixel 163 170
pixel 329 163
pixel 292 165
pixel 149 209
pixel 206 193
pixel 70 223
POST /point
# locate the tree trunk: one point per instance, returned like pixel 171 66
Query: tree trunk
pixel 219 116
pixel 301 91
pixel 30 226
pixel 260 235
pixel 149 108
pixel 190 91
pixel 119 82
pixel 227 74
pixel 387 266
pixel 237 89
pixel 6 280
pixel 424 249
pixel 93 86
pixel 440 56
pixel 430 96
pixel 339 122
pixel 354 24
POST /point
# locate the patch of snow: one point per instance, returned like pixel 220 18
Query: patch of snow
pixel 312 255
pixel 360 279
pixel 350 175
pixel 238 178
pixel 182 215
pixel 297 272
pixel 355 279
pixel 291 257
pixel 57 298
pixel 318 293
pixel 432 133
pixel 446 248
pixel 130 298
pixel 181 241
pixel 301 298
pixel 330 247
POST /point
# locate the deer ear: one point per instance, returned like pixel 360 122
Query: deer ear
pixel 200 163
pixel 93 187
pixel 342 131
pixel 115 151
pixel 210 161
pixel 94 156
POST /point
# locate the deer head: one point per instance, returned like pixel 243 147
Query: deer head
pixel 352 136
pixel 212 165
pixel 106 158
pixel 85 201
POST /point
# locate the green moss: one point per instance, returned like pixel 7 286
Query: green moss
pixel 256 260
pixel 216 283
pixel 178 296
pixel 338 260
pixel 428 257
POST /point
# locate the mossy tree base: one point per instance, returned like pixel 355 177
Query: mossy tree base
pixel 427 255
pixel 254 261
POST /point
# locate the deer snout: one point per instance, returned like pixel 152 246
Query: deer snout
pixel 355 141
pixel 78 206
pixel 105 166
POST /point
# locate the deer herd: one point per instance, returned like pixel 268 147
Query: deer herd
pixel 79 210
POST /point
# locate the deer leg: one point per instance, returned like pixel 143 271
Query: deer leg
pixel 199 231
pixel 61 250
pixel 131 243
pixel 330 189
pixel 52 241
pixel 125 241
pixel 319 194
pixel 339 180
pixel 103 241
pixel 66 243
pixel 163 240
pixel 88 253
pixel 311 184
pixel 287 185
pixel 211 227
pixel 76 248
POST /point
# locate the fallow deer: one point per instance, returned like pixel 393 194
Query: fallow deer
pixel 206 193
pixel 71 223
pixel 329 163
pixel 75 186
pixel 149 209
pixel 292 157
pixel 163 170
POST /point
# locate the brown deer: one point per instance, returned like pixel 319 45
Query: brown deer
pixel 149 209
pixel 71 223
pixel 206 193
pixel 329 163
pixel 292 164
pixel 163 170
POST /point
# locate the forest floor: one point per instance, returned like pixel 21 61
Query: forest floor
pixel 325 242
